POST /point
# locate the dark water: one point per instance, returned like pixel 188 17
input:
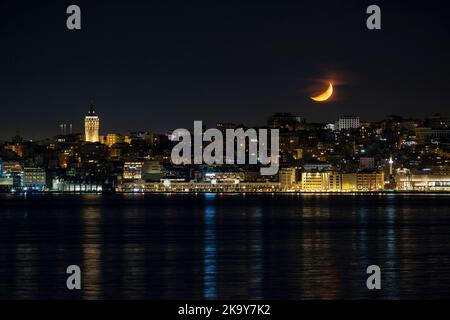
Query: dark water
pixel 224 246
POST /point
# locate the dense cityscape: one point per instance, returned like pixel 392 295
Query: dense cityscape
pixel 349 155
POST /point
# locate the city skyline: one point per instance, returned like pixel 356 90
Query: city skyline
pixel 349 155
pixel 80 127
pixel 225 156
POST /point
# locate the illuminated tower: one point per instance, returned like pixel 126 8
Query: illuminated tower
pixel 391 166
pixel 91 126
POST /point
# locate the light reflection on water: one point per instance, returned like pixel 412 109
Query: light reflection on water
pixel 91 253
pixel 209 262
pixel 210 246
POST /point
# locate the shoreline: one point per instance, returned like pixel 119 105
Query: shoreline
pixel 381 192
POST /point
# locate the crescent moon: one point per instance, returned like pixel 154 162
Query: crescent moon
pixel 324 96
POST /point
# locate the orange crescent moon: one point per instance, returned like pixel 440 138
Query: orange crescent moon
pixel 324 96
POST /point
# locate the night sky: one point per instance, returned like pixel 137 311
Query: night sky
pixel 159 65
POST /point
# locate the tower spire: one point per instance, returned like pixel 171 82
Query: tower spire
pixel 92 108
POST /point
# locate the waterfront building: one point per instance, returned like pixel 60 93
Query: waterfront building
pixel 34 178
pixel 334 182
pixel 62 185
pixel 368 180
pixel 224 176
pixel 211 186
pixel 349 182
pixel 321 181
pixel 423 182
pixel 6 184
pixel 152 171
pixel 14 171
pixel 12 167
pixel 91 126
pixel 313 181
pixel 287 178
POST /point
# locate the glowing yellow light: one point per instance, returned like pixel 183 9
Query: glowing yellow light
pixel 324 96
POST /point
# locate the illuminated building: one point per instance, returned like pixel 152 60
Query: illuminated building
pixel 297 154
pixel 132 170
pixel 16 148
pixel 118 149
pixel 152 171
pixel 12 167
pixel 423 182
pixel 334 181
pixel 313 181
pixel 6 184
pixel 61 185
pixel 112 139
pixel 211 186
pixel 114 153
pixel 34 178
pixel 91 126
pixel 287 178
pixel 63 159
pixel 347 122
pixel 219 176
pixel 128 139
pixel 321 181
pixel 391 166
pixel 369 180
pixel 349 182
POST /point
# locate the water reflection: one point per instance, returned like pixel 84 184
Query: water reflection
pixel 26 280
pixel 257 247
pixel 390 264
pixel 209 261
pixel 91 253
pixel 133 249
pixel 224 246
